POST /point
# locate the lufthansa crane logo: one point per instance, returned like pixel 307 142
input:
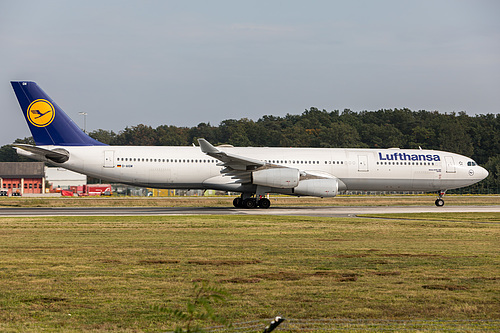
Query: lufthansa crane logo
pixel 41 113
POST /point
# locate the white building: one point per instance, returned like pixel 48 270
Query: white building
pixel 60 177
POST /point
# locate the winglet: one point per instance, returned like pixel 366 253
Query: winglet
pixel 207 147
pixel 228 158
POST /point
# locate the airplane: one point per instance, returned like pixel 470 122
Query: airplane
pixel 252 171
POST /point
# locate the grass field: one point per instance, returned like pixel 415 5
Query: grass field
pixel 426 272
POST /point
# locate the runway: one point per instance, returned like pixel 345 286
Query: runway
pixel 335 211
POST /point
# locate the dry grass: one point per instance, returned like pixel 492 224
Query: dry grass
pixel 108 273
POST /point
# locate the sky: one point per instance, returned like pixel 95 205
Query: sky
pixel 182 63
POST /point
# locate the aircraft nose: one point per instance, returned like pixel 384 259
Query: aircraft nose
pixel 482 173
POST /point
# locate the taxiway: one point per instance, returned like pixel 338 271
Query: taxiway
pixel 337 211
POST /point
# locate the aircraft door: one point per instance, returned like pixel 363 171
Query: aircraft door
pixel 450 164
pixel 109 159
pixel 362 163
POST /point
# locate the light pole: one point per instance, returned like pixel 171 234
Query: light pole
pixel 84 114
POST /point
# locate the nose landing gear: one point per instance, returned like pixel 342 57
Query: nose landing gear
pixel 439 201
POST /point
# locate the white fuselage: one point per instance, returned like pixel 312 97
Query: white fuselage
pixel 355 169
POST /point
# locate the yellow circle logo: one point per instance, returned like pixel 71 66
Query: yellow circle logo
pixel 41 113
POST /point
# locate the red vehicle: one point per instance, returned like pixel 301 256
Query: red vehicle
pixel 92 190
pixel 98 189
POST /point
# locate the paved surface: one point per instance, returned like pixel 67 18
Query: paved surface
pixel 338 211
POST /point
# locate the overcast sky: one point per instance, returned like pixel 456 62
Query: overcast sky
pixel 186 62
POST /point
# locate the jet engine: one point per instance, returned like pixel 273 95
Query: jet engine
pixel 326 187
pixel 276 177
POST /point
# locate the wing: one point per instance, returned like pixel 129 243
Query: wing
pixel 238 167
pixel 235 161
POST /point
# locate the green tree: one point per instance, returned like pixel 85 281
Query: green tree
pixel 382 136
pixel 8 152
pixel 339 135
pixel 421 136
pixel 140 135
pixel 104 136
pixel 202 130
pixel 492 182
pixel 172 135
pixel 453 136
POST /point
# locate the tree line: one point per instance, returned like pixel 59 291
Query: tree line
pixel 475 136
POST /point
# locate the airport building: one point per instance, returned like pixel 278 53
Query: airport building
pixel 19 178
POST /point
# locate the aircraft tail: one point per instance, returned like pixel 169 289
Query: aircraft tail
pixel 48 123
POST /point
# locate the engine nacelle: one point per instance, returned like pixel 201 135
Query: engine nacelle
pixel 326 187
pixel 276 177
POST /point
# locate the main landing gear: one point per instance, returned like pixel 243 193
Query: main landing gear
pixel 439 201
pixel 251 202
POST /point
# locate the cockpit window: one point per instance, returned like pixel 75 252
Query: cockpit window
pixel 471 163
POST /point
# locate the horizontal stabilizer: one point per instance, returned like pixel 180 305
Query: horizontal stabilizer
pixel 57 155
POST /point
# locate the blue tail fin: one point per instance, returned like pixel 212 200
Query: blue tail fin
pixel 48 123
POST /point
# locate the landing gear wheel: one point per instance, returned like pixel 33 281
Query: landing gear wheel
pixel 264 203
pixel 439 202
pixel 249 203
pixel 237 202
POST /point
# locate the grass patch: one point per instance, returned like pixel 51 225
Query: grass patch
pixel 109 273
pixel 442 217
